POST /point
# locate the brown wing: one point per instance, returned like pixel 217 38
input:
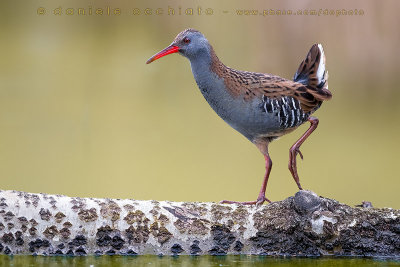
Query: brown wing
pixel 275 87
pixel 252 84
pixel 308 97
pixel 309 85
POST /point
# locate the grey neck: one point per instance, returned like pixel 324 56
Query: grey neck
pixel 214 91
pixel 209 83
pixel 201 69
pixel 246 117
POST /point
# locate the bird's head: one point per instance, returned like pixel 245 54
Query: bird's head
pixel 189 43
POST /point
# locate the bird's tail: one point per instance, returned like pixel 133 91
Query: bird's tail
pixel 313 74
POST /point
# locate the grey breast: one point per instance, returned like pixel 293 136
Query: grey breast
pixel 247 117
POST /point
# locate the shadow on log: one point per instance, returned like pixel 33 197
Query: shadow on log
pixel 303 225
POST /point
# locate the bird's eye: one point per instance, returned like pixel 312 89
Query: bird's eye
pixel 186 40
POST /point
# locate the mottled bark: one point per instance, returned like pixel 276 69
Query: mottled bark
pixel 304 225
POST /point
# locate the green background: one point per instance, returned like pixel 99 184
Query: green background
pixel 81 113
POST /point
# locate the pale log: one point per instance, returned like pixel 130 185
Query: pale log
pixel 302 225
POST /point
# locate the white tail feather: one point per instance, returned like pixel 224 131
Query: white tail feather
pixel 321 67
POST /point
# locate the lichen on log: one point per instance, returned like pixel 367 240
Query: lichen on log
pixel 301 225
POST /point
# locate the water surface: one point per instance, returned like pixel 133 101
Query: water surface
pixel 203 261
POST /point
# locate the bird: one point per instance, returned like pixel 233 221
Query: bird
pixel 262 107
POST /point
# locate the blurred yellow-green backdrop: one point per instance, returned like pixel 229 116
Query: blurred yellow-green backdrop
pixel 82 115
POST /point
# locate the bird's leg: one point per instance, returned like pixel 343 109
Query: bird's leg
pixel 268 167
pixel 295 149
pixel 261 196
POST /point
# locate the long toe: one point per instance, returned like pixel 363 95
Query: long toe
pixel 261 201
pixel 238 202
pixel 258 202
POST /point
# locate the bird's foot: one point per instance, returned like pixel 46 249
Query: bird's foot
pixel 258 202
pixel 294 151
pixel 293 164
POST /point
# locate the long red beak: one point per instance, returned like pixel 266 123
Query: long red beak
pixel 169 50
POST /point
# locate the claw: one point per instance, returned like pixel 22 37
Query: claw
pixel 297 151
pixel 301 155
